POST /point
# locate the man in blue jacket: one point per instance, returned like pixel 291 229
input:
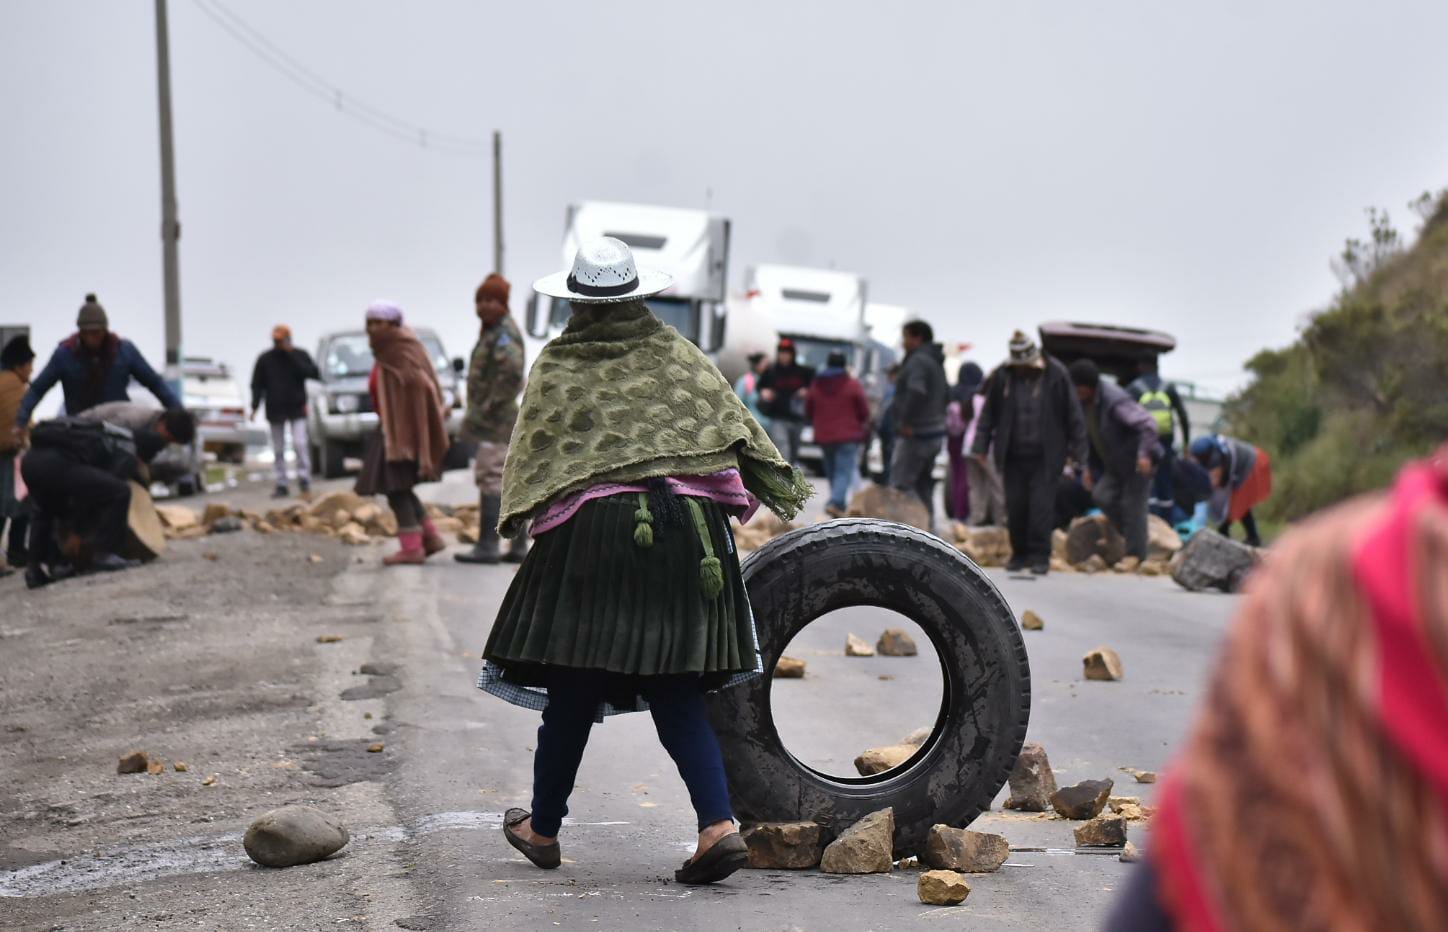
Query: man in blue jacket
pixel 94 366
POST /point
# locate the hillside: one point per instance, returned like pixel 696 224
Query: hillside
pixel 1365 386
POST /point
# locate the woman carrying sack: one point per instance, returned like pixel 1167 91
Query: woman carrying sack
pixel 411 438
pixel 630 453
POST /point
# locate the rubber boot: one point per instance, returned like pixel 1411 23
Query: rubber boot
pixel 486 549
pixel 432 541
pixel 411 552
pixel 517 547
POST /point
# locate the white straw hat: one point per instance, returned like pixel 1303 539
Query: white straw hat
pixel 603 272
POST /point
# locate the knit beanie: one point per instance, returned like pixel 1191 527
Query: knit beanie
pixel 1024 351
pixel 92 316
pixel 494 288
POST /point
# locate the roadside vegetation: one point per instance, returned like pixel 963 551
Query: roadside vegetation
pixel 1365 385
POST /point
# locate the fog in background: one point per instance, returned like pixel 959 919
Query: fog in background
pixel 990 166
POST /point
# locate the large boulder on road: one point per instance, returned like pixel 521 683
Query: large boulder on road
pixel 1212 561
pixel 863 848
pixel 293 835
pixel 1093 535
pixel 1162 540
pixel 987 546
pixel 881 501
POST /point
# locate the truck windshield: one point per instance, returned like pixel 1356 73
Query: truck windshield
pixel 350 355
pixel 676 312
pixel 814 353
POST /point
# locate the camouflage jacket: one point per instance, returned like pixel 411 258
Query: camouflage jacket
pixel 495 378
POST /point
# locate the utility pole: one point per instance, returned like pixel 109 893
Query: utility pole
pixel 170 225
pixel 497 202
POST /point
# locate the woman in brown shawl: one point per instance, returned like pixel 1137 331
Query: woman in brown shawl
pixel 411 437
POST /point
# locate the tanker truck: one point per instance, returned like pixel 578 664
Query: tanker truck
pixel 693 247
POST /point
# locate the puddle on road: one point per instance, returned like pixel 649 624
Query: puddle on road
pixel 208 854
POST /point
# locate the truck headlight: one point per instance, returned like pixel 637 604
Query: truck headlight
pixel 344 404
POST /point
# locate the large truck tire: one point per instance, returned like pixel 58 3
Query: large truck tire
pixel 960 768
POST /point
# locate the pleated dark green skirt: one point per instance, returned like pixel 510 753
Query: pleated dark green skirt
pixel 588 597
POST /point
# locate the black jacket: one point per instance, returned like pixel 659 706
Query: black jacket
pixel 280 378
pixel 921 393
pixel 1063 427
pixel 788 382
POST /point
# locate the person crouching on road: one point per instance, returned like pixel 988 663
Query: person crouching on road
pixel 279 380
pixel 17 360
pixel 836 406
pixel 495 376
pixel 1122 453
pixel 1241 480
pixel 411 438
pixel 78 472
pixel 630 454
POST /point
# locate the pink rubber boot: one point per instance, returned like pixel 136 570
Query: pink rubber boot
pixel 411 552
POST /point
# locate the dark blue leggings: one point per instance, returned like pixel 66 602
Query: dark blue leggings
pixel 677 706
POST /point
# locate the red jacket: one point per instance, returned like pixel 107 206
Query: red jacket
pixel 836 406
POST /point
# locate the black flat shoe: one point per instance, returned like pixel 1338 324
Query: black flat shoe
pixel 727 856
pixel 545 856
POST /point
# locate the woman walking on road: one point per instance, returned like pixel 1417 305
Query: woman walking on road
pixel 630 453
pixel 411 438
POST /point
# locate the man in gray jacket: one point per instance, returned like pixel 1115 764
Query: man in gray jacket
pixel 918 413
pixel 1123 453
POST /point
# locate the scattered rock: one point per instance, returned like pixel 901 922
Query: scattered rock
pixel 1084 800
pixel 879 760
pixel 1094 564
pixel 210 780
pixel 229 524
pixel 1141 776
pixel 885 677
pixel 896 642
pixel 375 747
pixel 857 647
pixel 470 534
pixel 1162 540
pixel 331 503
pixel 211 556
pixel 155 767
pixel 789 668
pixel 960 849
pixel 293 835
pixel 1131 812
pixel 314 558
pixel 765 527
pixel 1153 568
pixel 177 517
pixel 1030 621
pixel 1102 663
pixel 328 638
pixel 1130 854
pixel 353 534
pixel 987 546
pixel 785 845
pixel 1061 566
pixel 1093 536
pixel 879 501
pixel 214 512
pixel 917 737
pixel 867 847
pixel 134 762
pixel 180 766
pixel 1107 831
pixel 1211 561
pixel 366 514
pixel 1114 803
pixel 942 888
pixel 1032 781
pixel 1128 564
pixel 1058 546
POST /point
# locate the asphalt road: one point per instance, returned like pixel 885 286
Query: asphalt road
pixel 211 655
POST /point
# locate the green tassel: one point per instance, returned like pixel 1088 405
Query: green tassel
pixel 644 523
pixel 711 577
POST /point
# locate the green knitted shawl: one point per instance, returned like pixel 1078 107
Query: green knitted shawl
pixel 620 397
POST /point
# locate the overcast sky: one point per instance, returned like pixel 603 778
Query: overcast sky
pixel 988 165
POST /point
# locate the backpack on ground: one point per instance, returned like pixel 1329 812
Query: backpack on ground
pixel 95 443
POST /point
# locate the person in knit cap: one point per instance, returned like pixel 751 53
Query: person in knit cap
pixel 1032 420
pixel 17 361
pixel 630 454
pixel 93 366
pixel 279 379
pixel 411 439
pixel 495 377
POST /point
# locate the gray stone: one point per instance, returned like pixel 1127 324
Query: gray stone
pixel 1212 561
pixel 1084 800
pixel 959 849
pixel 1130 854
pixel 867 847
pixel 942 888
pixel 1102 663
pixel 134 762
pixel 293 835
pixel 1094 536
pixel 785 845
pixel 1032 781
pixel 228 524
pixel 879 760
pixel 856 646
pixel 917 737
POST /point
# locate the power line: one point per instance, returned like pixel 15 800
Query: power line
pixel 308 80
